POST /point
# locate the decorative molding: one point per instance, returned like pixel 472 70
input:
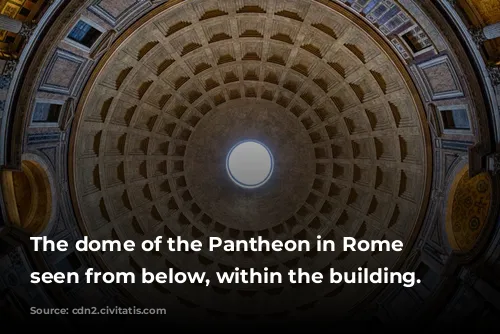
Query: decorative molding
pixel 63 60
pixel 44 138
pixel 433 121
pixel 494 72
pixel 393 21
pixel 478 36
pixel 118 21
pixel 5 81
pixel 487 96
pixel 10 68
pixel 104 45
pixel 68 114
pixel 455 145
pixel 440 78
pixel 27 30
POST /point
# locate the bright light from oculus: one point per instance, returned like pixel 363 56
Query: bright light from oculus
pixel 250 164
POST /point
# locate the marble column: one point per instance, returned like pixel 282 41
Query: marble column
pixel 10 24
pixel 492 31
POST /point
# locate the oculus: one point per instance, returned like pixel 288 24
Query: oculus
pixel 250 164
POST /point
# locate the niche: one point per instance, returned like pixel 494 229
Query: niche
pixel 28 197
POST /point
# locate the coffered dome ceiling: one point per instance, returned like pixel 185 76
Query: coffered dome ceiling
pixel 320 89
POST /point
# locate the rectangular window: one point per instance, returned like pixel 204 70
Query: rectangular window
pixel 46 113
pixel 417 40
pixel 455 119
pixel 84 34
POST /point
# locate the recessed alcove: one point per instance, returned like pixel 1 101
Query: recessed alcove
pixel 28 196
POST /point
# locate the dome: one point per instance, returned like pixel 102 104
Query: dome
pixel 258 128
pixel 325 94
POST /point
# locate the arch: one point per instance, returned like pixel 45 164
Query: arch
pixel 29 196
pixel 468 209
pixel 484 12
